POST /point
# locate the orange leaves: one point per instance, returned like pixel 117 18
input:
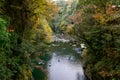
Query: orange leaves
pixel 100 18
pixel 110 9
pixel 99 15
pixel 103 15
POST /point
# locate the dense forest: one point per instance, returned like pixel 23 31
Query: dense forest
pixel 27 28
pixel 24 26
pixel 97 24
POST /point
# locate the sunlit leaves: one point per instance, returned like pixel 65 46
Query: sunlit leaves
pixel 39 10
pixel 41 7
pixel 47 31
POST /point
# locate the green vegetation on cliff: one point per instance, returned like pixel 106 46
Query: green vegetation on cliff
pixel 97 25
pixel 23 28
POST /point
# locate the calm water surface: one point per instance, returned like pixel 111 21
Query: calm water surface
pixel 64 68
pixel 64 64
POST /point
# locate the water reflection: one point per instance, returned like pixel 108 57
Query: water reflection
pixel 64 68
pixel 61 63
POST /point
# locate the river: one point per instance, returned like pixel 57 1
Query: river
pixel 64 64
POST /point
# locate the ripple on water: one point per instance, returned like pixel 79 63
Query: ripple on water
pixel 62 69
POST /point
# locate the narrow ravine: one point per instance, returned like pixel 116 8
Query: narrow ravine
pixel 64 65
pixel 64 68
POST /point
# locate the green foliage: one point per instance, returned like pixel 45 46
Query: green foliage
pixel 18 35
pixel 4 35
pixel 37 27
pixel 100 32
pixel 10 54
pixel 61 20
pixel 5 73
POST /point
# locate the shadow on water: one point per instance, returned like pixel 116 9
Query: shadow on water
pixel 40 64
pixel 62 62
pixel 65 68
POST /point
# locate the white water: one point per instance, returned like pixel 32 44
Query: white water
pixel 64 68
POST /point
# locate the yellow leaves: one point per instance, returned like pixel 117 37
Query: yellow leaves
pixel 99 15
pixel 46 26
pixel 103 15
pixel 47 30
pixel 41 30
pixel 42 7
pixel 25 73
pixel 100 18
pixel 69 29
pixel 37 23
pixel 49 38
pixel 39 12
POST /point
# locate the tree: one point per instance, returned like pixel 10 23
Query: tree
pixel 61 20
pixel 19 21
pixel 96 24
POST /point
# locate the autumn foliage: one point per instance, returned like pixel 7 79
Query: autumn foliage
pixel 97 25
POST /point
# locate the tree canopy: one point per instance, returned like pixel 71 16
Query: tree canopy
pixel 97 25
pixel 23 23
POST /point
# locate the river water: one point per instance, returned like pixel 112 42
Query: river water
pixel 64 68
pixel 64 64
